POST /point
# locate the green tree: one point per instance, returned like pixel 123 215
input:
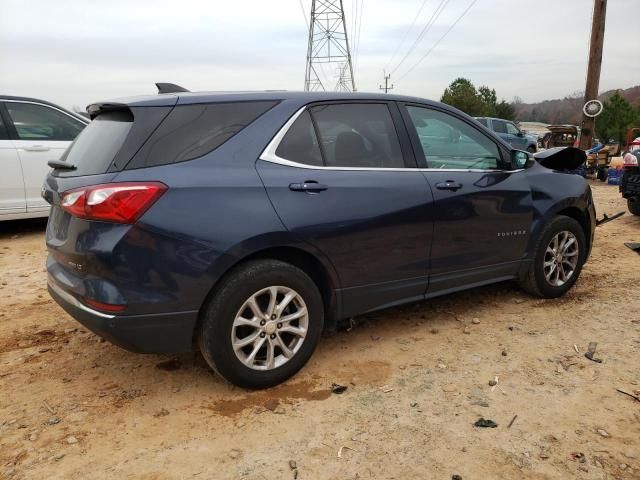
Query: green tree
pixel 505 110
pixel 616 118
pixel 482 102
pixel 462 95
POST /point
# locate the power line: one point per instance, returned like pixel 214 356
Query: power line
pixel 406 34
pixel 438 41
pixel 441 6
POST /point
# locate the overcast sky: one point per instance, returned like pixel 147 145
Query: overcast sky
pixel 73 52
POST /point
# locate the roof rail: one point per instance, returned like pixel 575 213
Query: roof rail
pixel 170 88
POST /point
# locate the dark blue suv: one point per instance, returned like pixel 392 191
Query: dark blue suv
pixel 246 223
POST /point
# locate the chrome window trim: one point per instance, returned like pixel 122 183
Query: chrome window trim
pixel 269 155
pixel 74 301
pixel 47 106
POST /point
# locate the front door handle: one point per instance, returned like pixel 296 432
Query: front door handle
pixel 449 185
pixel 36 148
pixel 308 186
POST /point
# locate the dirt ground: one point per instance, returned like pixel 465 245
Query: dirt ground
pixel 418 377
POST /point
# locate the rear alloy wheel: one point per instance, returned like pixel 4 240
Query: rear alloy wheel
pixel 559 255
pixel 262 323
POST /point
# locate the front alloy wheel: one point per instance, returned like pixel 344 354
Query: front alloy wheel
pixel 561 258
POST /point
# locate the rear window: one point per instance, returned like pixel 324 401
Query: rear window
pixel 95 148
pixel 191 131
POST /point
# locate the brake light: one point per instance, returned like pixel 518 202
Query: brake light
pixel 630 160
pixel 112 202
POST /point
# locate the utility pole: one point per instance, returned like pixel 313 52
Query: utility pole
pixel 328 43
pixel 593 70
pixel 386 87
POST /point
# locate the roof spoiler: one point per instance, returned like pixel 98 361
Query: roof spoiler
pixel 561 158
pixel 170 88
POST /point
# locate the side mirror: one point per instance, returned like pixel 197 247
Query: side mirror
pixel 521 159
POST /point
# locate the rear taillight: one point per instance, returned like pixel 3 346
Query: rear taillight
pixel 630 160
pixel 112 202
pixel 105 307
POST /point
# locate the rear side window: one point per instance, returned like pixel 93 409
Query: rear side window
pixel 191 131
pixel 358 135
pixel 94 149
pixel 39 122
pixel 300 144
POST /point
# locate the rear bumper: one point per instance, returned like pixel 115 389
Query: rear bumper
pixel 155 333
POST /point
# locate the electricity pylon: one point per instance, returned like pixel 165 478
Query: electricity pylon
pixel 328 43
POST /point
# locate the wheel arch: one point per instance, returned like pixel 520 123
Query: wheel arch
pixel 320 271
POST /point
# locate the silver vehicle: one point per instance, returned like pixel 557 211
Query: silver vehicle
pixel 510 133
pixel 32 132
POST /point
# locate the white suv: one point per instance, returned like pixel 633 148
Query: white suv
pixel 32 132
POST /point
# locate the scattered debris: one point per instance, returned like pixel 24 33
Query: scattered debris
pixel 386 389
pixel 606 218
pixel 338 389
pixel 591 351
pixel 162 413
pixel 53 420
pixel 485 423
pixel 504 353
pixel 466 330
pixel 344 447
pixel 603 433
pixel 234 454
pixel 71 440
pixel 449 388
pixel 475 320
pixel 292 464
pixel 633 246
pixel 578 456
pixel 637 397
pixel 493 383
pixel 414 404
pixel 575 347
pixel 512 420
pixel 375 338
pixel 456 477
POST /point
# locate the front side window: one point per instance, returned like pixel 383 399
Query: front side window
pixel 358 135
pixel 448 142
pixel 512 129
pixel 39 122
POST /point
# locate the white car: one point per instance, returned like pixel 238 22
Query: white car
pixel 32 132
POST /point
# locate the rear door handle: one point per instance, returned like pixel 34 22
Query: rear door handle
pixel 309 186
pixel 36 148
pixel 449 185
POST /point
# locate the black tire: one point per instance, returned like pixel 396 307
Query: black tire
pixel 534 280
pixel 238 286
pixel 531 149
pixel 633 204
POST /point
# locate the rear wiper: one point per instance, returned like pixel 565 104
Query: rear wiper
pixel 60 165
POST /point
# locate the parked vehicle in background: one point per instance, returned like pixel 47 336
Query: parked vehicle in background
pixel 32 132
pixel 561 136
pixel 248 222
pixel 510 133
pixel 630 182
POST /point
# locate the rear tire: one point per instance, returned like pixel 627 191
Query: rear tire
pixel 553 270
pixel 633 204
pixel 531 149
pixel 273 307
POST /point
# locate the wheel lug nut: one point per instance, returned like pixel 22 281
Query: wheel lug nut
pixel 273 336
pixel 262 322
pixel 279 325
pixel 262 335
pixel 273 317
